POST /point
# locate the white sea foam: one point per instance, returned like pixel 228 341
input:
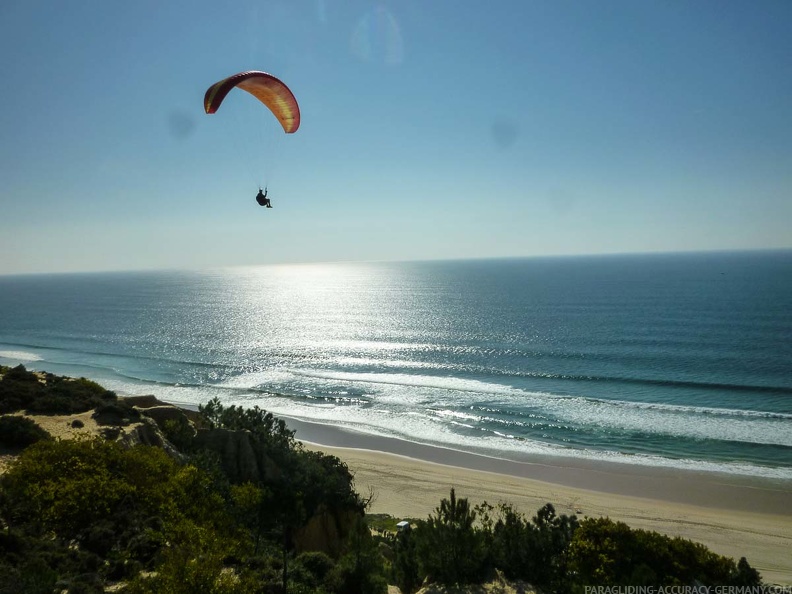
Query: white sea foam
pixel 431 430
pixel 412 381
pixel 445 393
pixel 20 356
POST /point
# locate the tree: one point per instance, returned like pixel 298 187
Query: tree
pixel 249 506
pixel 534 551
pixel 449 546
pixel 552 536
pixel 746 575
pixel 360 570
pixel 513 545
pixel 264 425
pixel 406 571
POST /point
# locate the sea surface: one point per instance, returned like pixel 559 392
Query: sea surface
pixel 680 360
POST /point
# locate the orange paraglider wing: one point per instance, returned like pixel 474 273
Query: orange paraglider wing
pixel 271 91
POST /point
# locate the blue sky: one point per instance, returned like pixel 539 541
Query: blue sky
pixel 430 130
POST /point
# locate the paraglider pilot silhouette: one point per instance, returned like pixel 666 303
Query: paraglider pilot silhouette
pixel 262 199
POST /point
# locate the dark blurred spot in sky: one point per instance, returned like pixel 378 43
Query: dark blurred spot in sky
pixel 180 124
pixel 505 132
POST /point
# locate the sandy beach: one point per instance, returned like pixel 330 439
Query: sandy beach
pixel 733 516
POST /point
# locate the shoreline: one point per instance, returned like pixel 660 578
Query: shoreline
pixel 708 489
pixel 734 516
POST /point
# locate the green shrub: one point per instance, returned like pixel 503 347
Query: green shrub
pixel 68 485
pixel 319 479
pixel 193 563
pixel 310 571
pixel 18 388
pixel 29 564
pixel 604 552
pixel 34 576
pixel 179 432
pixel 256 420
pixel 20 432
pixel 116 414
pixel 49 394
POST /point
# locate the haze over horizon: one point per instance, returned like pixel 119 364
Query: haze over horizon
pixel 428 132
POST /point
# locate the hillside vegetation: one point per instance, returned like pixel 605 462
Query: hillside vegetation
pixel 227 501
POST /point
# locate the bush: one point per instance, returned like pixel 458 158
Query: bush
pixel 256 420
pixel 68 485
pixel 18 388
pixel 319 479
pixel 116 414
pixel 311 569
pixel 30 564
pixel 49 394
pixel 34 576
pixel 179 432
pixel 604 552
pixel 20 432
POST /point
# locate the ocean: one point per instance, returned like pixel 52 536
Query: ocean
pixel 672 360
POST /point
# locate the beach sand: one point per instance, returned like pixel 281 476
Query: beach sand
pixel 733 516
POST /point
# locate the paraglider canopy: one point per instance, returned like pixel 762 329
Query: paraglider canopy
pixel 268 89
